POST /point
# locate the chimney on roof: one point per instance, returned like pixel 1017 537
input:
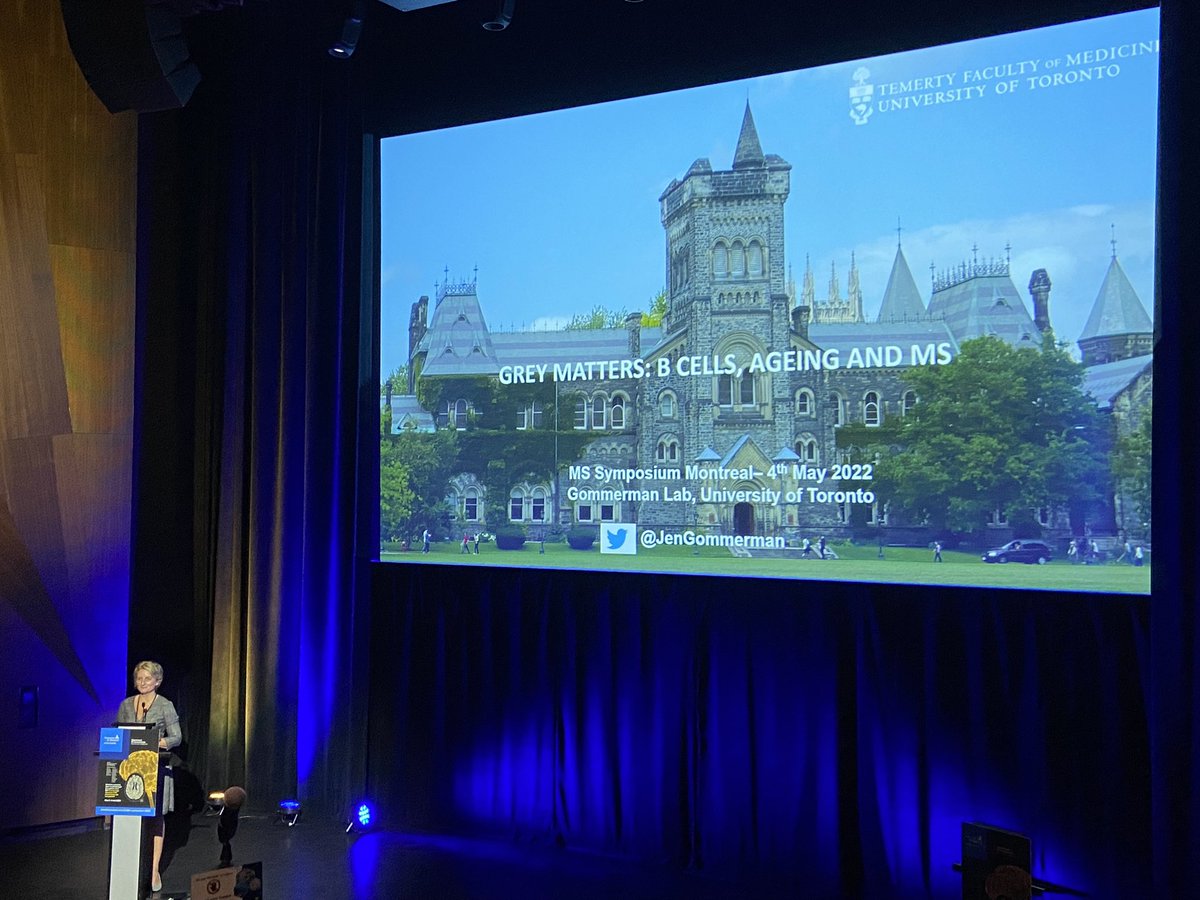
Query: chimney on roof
pixel 1039 290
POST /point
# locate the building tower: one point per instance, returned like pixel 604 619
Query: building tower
pixel 727 287
pixel 1118 327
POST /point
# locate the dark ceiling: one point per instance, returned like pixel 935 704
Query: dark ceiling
pixel 437 66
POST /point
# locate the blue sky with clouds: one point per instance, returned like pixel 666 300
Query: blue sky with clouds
pixel 560 211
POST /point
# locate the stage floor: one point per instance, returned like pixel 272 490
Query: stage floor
pixel 319 861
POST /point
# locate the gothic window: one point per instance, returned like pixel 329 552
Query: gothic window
pixel 754 259
pixel 737 260
pixel 598 410
pixel 471 505
pixel 668 406
pixel 581 414
pixel 871 414
pixel 617 413
pixel 720 261
pixel 459 415
pixel 909 401
pixel 804 402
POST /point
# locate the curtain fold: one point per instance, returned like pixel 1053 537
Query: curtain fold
pixel 252 208
pixel 834 738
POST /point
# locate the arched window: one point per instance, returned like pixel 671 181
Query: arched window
pixel 598 410
pixel 516 505
pixel 720 261
pixel 537 507
pixel 443 414
pixel 806 449
pixel 581 414
pixel 617 413
pixel 471 505
pixel 871 414
pixel 835 410
pixel 668 406
pixel 754 259
pixel 667 450
pixel 725 390
pixel 908 401
pixel 460 414
pixel 737 260
pixel 804 402
pixel 746 389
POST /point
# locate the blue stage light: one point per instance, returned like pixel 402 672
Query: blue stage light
pixel 288 812
pixel 362 816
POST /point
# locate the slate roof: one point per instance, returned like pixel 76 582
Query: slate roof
pixel 847 336
pixel 1105 381
pixel 749 154
pixel 458 341
pixel 406 407
pixel 1117 309
pixel 901 299
pixel 985 304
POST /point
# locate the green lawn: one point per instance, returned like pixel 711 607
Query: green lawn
pixel 856 563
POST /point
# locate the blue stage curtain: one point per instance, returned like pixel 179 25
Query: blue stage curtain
pixel 831 737
pixel 250 381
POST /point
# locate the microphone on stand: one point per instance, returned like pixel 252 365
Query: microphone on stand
pixel 227 825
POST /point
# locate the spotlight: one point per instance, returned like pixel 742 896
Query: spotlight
pixel 215 803
pixel 503 16
pixel 362 817
pixel 288 812
pixel 347 42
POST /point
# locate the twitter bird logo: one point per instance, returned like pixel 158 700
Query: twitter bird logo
pixel 618 537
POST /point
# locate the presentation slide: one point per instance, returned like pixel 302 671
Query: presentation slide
pixel 884 320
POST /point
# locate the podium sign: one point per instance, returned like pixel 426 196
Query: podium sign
pixel 215 885
pixel 130 774
pixel 234 883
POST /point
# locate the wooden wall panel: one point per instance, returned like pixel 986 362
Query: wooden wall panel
pixel 67 257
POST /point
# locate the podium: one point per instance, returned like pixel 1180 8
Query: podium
pixel 128 789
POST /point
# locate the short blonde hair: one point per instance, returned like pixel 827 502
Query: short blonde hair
pixel 155 670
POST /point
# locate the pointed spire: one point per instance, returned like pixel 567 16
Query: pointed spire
pixel 1113 230
pixel 1118 309
pixel 901 300
pixel 808 296
pixel 854 291
pixel 748 154
pixel 835 292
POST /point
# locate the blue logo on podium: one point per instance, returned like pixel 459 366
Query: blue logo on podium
pixel 114 743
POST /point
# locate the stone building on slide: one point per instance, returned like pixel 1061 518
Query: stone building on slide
pixel 730 299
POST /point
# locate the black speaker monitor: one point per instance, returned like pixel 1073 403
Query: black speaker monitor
pixel 132 52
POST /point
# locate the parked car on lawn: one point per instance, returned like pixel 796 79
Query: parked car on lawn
pixel 1020 551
